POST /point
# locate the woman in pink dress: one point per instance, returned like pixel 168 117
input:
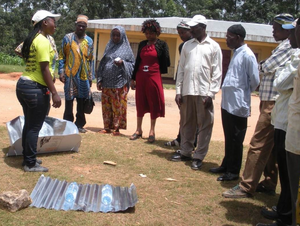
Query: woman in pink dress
pixel 152 60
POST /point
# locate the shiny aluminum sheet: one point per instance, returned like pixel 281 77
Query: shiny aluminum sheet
pixel 50 194
pixel 56 135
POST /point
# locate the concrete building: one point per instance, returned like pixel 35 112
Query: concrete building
pixel 259 37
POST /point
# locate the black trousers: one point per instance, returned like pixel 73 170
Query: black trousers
pixel 80 116
pixel 284 205
pixel 234 128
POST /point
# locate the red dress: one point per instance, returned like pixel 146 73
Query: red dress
pixel 149 93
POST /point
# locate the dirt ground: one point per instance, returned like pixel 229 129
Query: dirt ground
pixel 165 127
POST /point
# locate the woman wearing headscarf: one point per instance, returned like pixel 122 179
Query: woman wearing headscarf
pixel 152 60
pixel 36 84
pixel 113 77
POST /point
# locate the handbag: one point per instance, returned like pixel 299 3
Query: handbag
pixel 88 104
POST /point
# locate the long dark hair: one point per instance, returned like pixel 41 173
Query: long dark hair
pixel 29 39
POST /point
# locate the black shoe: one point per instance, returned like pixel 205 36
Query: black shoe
pixel 196 164
pixel 82 130
pixel 220 169
pixel 269 214
pixel 228 177
pixel 177 157
pixel 39 161
pixel 261 188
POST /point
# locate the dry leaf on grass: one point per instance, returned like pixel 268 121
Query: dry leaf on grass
pixel 110 163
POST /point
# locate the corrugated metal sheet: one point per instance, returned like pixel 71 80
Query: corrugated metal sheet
pixel 50 194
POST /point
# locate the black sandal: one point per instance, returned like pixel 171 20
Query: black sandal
pixel 151 139
pixel 135 136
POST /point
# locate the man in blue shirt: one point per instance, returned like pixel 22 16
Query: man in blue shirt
pixel 241 79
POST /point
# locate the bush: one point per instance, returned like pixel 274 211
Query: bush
pixel 6 59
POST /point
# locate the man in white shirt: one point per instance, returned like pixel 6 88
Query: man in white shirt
pixel 198 80
pixel 283 84
pixel 292 142
pixel 241 79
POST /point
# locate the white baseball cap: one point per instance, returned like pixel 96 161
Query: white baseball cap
pixel 198 19
pixel 42 14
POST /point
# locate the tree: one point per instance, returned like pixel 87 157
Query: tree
pixel 15 15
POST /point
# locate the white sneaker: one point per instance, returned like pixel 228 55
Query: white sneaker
pixel 36 168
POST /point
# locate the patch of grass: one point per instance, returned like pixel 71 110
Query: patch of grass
pixel 193 199
pixel 11 68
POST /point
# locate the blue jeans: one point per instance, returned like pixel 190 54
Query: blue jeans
pixel 35 101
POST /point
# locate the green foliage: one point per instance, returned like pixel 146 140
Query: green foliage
pixel 15 15
pixel 10 60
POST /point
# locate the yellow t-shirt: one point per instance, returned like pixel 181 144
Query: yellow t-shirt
pixel 40 51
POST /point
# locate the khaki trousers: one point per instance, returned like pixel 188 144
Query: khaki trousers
pixel 260 157
pixel 193 114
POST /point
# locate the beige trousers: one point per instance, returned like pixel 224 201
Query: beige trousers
pixel 193 115
pixel 260 157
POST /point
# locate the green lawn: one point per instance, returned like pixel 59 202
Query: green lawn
pixel 193 199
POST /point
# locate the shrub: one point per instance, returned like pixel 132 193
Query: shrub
pixel 11 60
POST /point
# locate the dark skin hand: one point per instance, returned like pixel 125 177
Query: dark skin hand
pixel 118 63
pixel 132 84
pixel 207 101
pixel 62 78
pixel 56 101
pixel 91 82
pixel 99 86
pixel 178 100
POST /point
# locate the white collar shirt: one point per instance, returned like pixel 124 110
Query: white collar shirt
pixel 283 84
pixel 200 68
pixel 292 141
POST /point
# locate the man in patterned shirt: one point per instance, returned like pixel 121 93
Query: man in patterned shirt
pixel 260 158
pixel 76 70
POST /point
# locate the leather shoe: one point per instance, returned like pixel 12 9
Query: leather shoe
pixel 177 157
pixel 228 177
pixel 269 214
pixel 81 130
pixel 261 188
pixel 220 169
pixel 196 164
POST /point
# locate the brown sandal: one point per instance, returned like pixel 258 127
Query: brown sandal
pixel 135 136
pixel 116 133
pixel 104 131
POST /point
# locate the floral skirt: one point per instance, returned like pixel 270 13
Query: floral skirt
pixel 114 108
